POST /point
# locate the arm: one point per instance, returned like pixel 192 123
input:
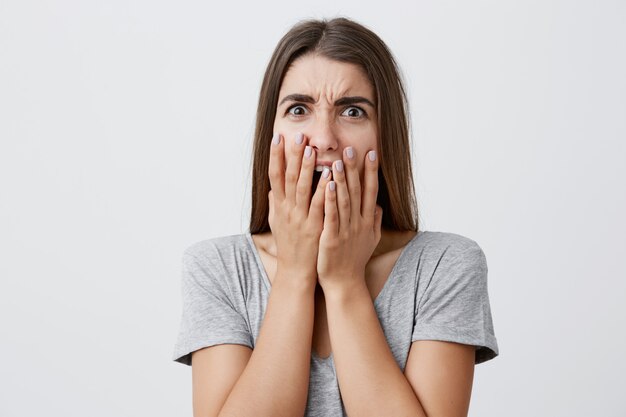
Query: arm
pixel 438 373
pixel 214 372
pixel 275 381
pixel 371 382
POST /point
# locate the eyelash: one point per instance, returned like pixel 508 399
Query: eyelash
pixel 363 112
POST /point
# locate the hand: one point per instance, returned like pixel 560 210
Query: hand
pixel 295 219
pixel 352 226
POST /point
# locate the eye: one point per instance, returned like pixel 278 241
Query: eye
pixel 297 110
pixel 354 112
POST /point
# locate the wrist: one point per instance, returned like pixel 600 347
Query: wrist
pixel 296 279
pixel 342 287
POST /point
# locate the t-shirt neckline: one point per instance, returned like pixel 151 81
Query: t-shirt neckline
pixel 392 274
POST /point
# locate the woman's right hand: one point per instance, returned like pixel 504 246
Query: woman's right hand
pixel 295 219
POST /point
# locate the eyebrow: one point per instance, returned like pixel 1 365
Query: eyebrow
pixel 343 101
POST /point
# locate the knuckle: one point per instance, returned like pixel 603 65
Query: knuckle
pixel 273 171
pixel 311 231
pixel 291 176
pixel 368 189
pixel 301 190
pixel 332 243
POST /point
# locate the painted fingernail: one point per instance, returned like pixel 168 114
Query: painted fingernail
pixel 307 151
pixel 350 152
pixel 339 165
pixel 326 172
pixel 332 185
pixel 372 155
pixel 299 138
pixel 276 139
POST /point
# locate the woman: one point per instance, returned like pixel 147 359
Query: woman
pixel 334 303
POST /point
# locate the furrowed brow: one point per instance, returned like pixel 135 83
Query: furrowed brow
pixel 298 97
pixel 345 101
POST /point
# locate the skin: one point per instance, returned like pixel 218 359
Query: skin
pixel 335 235
pixel 331 239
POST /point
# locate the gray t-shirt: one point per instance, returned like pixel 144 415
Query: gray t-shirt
pixel 437 290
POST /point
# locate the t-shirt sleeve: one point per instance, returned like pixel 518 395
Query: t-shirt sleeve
pixel 209 316
pixel 454 306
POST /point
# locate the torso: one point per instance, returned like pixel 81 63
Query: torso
pixel 376 274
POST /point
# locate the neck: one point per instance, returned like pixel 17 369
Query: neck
pixel 389 241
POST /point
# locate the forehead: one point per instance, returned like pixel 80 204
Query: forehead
pixel 317 76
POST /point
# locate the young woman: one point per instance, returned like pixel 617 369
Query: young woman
pixel 334 303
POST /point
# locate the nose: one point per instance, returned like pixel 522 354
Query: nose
pixel 322 135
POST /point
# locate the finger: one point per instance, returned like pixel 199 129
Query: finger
pixel 370 186
pixel 276 170
pixel 354 184
pixel 303 189
pixel 331 215
pixel 343 197
pixel 378 220
pixel 316 210
pixel 294 161
pixel 270 217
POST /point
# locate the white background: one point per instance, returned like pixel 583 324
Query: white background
pixel 126 131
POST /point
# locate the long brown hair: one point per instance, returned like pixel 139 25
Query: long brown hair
pixel 342 40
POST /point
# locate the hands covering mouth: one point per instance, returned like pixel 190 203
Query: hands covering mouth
pixel 327 232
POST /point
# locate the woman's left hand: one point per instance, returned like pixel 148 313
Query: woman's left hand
pixel 352 224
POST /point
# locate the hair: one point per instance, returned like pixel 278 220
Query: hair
pixel 342 40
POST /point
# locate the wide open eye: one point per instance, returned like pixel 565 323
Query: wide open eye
pixel 354 112
pixel 297 110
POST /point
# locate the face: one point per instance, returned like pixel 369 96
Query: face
pixel 330 102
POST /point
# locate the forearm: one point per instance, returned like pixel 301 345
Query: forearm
pixel 276 379
pixel 370 380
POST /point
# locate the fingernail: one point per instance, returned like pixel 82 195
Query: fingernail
pixel 350 152
pixel 276 139
pixel 326 172
pixel 307 151
pixel 339 165
pixel 372 155
pixel 332 185
pixel 299 138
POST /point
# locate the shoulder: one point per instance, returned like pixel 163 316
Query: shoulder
pixel 448 255
pixel 207 250
pixel 446 240
pixel 215 259
pixel 445 244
